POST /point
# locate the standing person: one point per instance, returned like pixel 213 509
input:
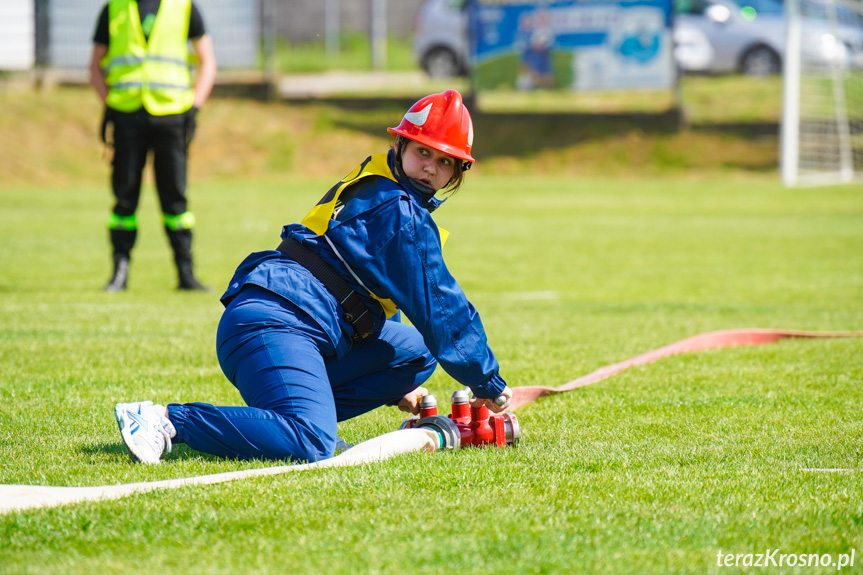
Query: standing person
pixel 140 69
pixel 305 336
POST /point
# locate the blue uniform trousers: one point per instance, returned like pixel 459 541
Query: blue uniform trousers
pixel 295 386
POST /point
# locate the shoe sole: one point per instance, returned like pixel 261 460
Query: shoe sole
pixel 124 424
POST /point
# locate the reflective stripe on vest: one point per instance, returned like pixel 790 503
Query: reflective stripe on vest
pixel 155 72
pixel 318 220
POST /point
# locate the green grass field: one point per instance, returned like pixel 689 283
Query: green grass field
pixel 653 471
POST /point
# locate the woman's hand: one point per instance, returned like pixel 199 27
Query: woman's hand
pixel 492 404
pixel 411 402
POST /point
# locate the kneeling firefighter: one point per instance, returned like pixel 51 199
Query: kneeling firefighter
pixel 310 335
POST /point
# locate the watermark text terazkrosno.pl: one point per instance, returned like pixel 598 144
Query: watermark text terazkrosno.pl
pixel 775 558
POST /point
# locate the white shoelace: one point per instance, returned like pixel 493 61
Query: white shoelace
pixel 164 431
pixel 164 427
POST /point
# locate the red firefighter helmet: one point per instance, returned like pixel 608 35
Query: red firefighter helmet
pixel 439 121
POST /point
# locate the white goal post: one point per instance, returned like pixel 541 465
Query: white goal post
pixel 822 115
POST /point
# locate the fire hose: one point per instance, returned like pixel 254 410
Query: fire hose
pixel 712 340
pixel 465 426
pixel 18 497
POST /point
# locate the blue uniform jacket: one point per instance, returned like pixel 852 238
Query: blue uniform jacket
pixel 385 233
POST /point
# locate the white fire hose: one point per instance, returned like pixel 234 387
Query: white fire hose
pixel 18 497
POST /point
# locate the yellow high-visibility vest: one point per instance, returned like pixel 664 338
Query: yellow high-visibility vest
pixel 155 72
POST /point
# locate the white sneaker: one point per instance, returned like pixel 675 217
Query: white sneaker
pixel 145 430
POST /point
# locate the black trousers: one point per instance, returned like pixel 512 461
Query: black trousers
pixel 135 135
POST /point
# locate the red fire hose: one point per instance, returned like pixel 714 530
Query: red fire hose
pixel 712 340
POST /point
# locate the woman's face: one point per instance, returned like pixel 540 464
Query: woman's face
pixel 427 165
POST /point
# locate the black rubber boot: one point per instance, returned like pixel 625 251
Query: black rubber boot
pixel 123 241
pixel 121 273
pixel 181 243
pixel 187 280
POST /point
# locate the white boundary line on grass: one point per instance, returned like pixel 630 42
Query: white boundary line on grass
pixel 20 497
pixel 829 469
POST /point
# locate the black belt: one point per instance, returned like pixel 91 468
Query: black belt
pixel 355 311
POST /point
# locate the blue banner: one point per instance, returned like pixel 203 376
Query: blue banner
pixel 571 44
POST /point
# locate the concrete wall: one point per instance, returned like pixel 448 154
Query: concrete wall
pixel 17 34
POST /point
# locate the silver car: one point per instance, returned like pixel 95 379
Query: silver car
pixel 440 37
pixel 723 37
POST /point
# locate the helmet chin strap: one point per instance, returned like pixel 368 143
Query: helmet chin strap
pixel 400 143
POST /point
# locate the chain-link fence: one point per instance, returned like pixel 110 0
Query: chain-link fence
pixel 57 34
pixel 308 20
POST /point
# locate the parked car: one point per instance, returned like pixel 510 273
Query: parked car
pixel 723 37
pixel 440 37
pixel 710 36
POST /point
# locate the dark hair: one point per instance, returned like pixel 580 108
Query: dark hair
pixel 460 167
